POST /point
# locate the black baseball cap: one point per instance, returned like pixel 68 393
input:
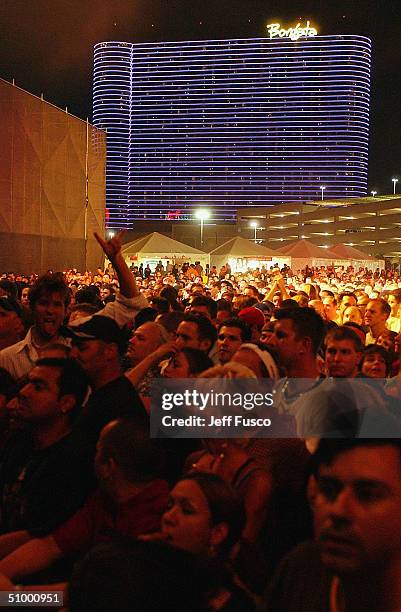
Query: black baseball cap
pixel 99 327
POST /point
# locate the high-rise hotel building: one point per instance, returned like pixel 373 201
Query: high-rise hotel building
pixel 231 123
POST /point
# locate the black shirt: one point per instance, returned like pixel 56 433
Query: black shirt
pixel 301 584
pixel 41 488
pixel 117 399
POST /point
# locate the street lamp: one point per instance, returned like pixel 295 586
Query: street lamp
pixel 255 227
pixel 202 214
pixel 322 190
pixel 395 181
pixel 373 193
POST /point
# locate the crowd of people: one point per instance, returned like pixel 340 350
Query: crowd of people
pixel 93 506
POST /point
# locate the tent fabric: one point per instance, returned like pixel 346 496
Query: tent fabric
pixel 241 247
pixel 304 249
pixel 344 251
pixel 240 253
pixel 158 243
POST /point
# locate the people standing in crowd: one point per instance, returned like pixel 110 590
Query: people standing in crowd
pixel 255 319
pixel 376 314
pixel 330 307
pixel 25 297
pixel 394 320
pixel 196 331
pixel 144 340
pixel 376 363
pixel 353 314
pixel 231 334
pixel 345 300
pixel 322 363
pixel 49 298
pixel 343 352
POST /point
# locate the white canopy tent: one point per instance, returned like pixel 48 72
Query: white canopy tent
pixel 304 253
pixel 348 255
pixel 155 247
pixel 242 254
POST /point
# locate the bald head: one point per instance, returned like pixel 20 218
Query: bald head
pixel 146 339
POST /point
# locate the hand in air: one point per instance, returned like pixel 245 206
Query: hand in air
pixel 111 247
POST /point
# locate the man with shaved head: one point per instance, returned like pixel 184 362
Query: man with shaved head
pixel 146 339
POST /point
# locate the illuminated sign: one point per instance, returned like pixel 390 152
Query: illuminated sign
pixel 275 29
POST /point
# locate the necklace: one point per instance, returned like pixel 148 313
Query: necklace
pixel 292 396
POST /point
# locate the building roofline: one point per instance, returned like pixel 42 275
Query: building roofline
pixel 42 99
pixel 219 40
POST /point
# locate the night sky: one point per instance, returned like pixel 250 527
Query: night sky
pixel 47 46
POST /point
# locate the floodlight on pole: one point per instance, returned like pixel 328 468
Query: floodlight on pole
pixel 322 190
pixel 373 193
pixel 395 181
pixel 255 227
pixel 202 214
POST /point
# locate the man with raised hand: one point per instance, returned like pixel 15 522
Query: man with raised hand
pixel 49 298
pixel 128 300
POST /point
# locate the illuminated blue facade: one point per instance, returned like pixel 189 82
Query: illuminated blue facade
pixel 231 123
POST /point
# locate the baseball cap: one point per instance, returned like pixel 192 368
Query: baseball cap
pixel 252 316
pixel 11 304
pixel 102 328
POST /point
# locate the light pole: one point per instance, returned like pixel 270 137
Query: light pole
pixel 255 227
pixel 373 193
pixel 395 181
pixel 202 214
pixel 322 190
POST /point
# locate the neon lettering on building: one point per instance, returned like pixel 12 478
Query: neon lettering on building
pixel 275 29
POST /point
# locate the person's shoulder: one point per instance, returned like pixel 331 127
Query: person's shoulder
pixel 19 445
pixel 13 349
pixel 301 582
pixel 302 555
pixel 118 397
pixel 71 443
pixel 119 385
pixel 113 386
